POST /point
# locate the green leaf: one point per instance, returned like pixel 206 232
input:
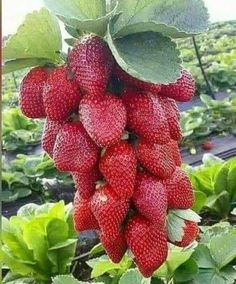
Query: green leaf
pixel 212 276
pixel 199 200
pixel 148 56
pixel 66 243
pixel 186 272
pixel 57 232
pixel 27 211
pixel 203 257
pixel 219 204
pixel 96 249
pixel 175 227
pixel 57 210
pixel 39 37
pixel 209 159
pixel 23 192
pixel 175 19
pixel 233 212
pixel 69 279
pixel 133 276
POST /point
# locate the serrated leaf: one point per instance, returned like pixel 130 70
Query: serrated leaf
pixel 172 18
pixel 148 56
pixel 175 227
pixel 186 272
pixel 133 276
pixel 203 257
pixel 38 38
pixel 187 214
pixel 62 279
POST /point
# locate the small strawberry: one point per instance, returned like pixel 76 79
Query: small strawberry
pixel 145 116
pixel 116 248
pixel 207 145
pixel 150 199
pixel 85 183
pixel 91 62
pixel 31 90
pixel 175 152
pixel 134 82
pixel 109 210
pixel 179 190
pixel 103 117
pixel 172 115
pixel 147 243
pixel 82 215
pixel 156 158
pixel 61 96
pixel 182 90
pixel 51 129
pixel 190 234
pixel 74 151
pixel 118 165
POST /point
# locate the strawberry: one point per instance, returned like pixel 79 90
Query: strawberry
pixel 109 210
pixel 118 165
pixel 156 158
pixel 134 82
pixel 190 234
pixel 182 90
pixel 51 129
pixel 31 89
pixel 145 116
pixel 74 150
pixel 91 62
pixel 172 115
pixel 207 145
pixel 175 152
pixel 116 248
pixel 147 243
pixel 103 117
pixel 82 215
pixel 61 96
pixel 150 198
pixel 85 183
pixel 179 190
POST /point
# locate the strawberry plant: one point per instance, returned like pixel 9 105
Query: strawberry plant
pixel 107 102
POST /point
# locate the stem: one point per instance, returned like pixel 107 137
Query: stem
pixel 108 6
pixel 81 256
pixel 14 79
pixel 210 92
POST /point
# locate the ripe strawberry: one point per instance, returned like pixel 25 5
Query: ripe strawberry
pixel 145 116
pixel 31 89
pixel 61 96
pixel 109 210
pixel 85 183
pixel 179 190
pixel 175 152
pixel 91 62
pixel 182 90
pixel 118 165
pixel 51 129
pixel 116 248
pixel 74 151
pixel 156 158
pixel 147 243
pixel 190 234
pixel 172 115
pixel 207 145
pixel 150 199
pixel 103 117
pixel 83 216
pixel 134 82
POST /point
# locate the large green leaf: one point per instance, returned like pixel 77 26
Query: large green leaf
pixel 172 18
pixel 187 271
pixel 57 232
pixel 37 39
pixel 203 257
pixel 69 279
pixel 199 200
pixel 148 56
pixel 133 276
pixel 18 64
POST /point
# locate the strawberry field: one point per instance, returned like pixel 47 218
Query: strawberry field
pixel 119 147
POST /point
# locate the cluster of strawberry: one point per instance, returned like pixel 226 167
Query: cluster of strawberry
pixel 120 147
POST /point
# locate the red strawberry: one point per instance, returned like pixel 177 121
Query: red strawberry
pixel 31 100
pixel 207 145
pixel 103 117
pixel 179 190
pixel 51 129
pixel 83 216
pixel 61 96
pixel 175 152
pixel 146 117
pixel 85 183
pixel 109 210
pixel 150 199
pixel 74 150
pixel 190 234
pixel 134 82
pixel 172 115
pixel 118 165
pixel 91 62
pixel 182 90
pixel 116 248
pixel 156 158
pixel 147 243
